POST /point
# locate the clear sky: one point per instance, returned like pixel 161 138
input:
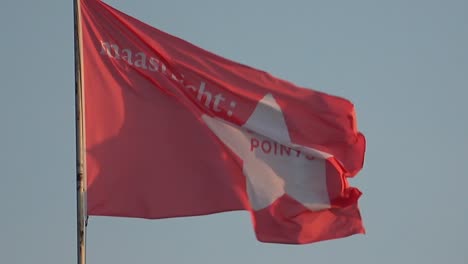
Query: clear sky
pixel 404 63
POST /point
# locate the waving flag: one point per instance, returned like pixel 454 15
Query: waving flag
pixel 174 130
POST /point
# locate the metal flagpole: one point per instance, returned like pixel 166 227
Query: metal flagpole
pixel 80 157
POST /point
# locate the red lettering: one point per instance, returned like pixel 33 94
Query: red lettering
pixel 266 143
pixel 285 149
pixel 254 144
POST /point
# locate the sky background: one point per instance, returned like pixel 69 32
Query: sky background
pixel 403 63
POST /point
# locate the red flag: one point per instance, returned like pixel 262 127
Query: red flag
pixel 174 130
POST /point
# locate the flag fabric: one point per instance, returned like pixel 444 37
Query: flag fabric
pixel 173 130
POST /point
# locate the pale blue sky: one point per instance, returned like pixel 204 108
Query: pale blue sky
pixel 404 63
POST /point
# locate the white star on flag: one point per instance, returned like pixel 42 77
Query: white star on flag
pixel 272 164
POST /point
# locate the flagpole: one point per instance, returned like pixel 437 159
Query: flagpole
pixel 80 156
